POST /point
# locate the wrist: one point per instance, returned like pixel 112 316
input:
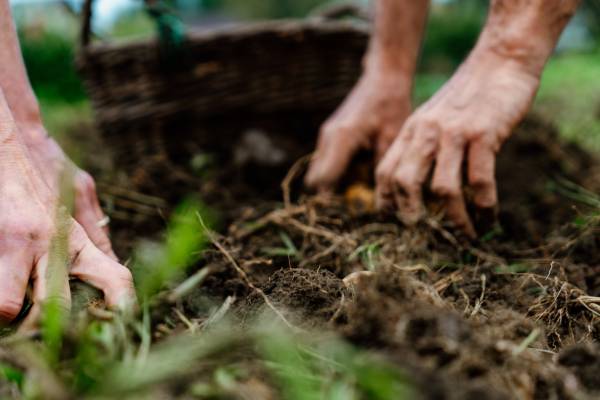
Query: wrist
pixel 526 39
pixel 390 60
pixel 382 66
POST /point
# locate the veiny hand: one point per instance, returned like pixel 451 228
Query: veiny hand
pixel 50 160
pixel 467 120
pixel 28 210
pixel 370 117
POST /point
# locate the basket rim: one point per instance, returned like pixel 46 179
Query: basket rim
pixel 239 31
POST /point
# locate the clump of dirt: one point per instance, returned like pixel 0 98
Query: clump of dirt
pixel 313 293
pixel 584 361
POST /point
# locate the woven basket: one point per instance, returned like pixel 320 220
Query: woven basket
pixel 258 68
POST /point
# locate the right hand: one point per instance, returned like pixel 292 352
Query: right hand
pixel 370 117
pixel 28 223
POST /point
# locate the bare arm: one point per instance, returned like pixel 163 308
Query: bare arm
pixel 372 115
pixel 13 78
pixel 399 27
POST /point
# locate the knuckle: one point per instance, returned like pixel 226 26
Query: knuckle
pixel 27 230
pixel 10 309
pixel 428 141
pixel 335 127
pixel 123 276
pixel 477 135
pixel 431 123
pixel 455 137
pixel 77 236
pixel 84 184
pixel 481 182
pixel 409 127
pixel 426 122
pixel 103 242
pixel 405 183
pixel 382 175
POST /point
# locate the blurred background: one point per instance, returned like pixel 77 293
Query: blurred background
pixel 569 95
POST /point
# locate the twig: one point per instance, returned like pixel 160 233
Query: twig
pixel 339 310
pixel 479 301
pixel 276 217
pixel 591 303
pixel 190 325
pixel 132 195
pixel 291 175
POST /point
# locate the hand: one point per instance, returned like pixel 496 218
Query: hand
pixel 468 119
pixel 28 217
pixel 50 160
pixel 371 116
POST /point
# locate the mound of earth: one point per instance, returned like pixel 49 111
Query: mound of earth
pixel 511 316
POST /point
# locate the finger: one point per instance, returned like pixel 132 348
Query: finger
pixel 384 198
pixel 336 146
pixel 384 141
pixel 15 269
pixel 97 269
pixel 89 213
pixel 49 286
pixel 447 184
pixel 411 174
pixel 482 164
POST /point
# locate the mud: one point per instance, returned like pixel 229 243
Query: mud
pixel 511 316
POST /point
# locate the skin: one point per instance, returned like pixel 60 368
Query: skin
pixel 377 107
pixel 31 165
pixel 467 120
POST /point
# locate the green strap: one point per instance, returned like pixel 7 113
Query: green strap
pixel 171 30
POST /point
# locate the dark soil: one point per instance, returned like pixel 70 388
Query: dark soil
pixel 511 316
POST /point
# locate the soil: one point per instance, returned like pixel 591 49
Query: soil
pixel 513 315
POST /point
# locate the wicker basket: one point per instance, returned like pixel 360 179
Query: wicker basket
pixel 258 68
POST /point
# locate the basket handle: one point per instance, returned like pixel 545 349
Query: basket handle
pixel 341 10
pixel 86 25
pixel 170 28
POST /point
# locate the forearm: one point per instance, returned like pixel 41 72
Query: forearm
pixel 399 28
pixel 526 31
pixel 14 83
